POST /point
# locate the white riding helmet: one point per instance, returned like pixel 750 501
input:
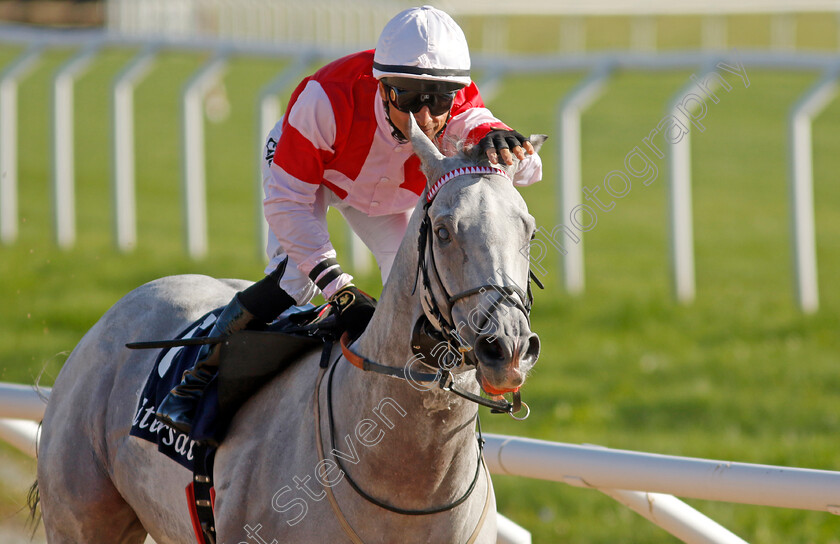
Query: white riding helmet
pixel 423 44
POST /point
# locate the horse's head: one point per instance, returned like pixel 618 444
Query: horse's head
pixel 475 276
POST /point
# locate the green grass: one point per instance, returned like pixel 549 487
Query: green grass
pixel 738 375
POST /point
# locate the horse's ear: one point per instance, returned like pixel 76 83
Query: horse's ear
pixel 431 159
pixel 537 140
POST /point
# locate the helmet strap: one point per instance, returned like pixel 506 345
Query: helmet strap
pixel 395 132
pixel 442 130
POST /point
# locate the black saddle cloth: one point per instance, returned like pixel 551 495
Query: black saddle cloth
pixel 248 360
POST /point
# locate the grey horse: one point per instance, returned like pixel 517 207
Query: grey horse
pixel 406 444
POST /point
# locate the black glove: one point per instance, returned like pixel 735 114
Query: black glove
pixel 499 139
pixel 353 308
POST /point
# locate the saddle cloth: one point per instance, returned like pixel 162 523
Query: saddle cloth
pixel 248 359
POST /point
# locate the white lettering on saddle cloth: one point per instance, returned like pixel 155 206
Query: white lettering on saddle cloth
pixel 145 418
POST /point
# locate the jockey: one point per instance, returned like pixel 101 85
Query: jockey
pixel 342 144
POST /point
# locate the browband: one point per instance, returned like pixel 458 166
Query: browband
pixel 467 170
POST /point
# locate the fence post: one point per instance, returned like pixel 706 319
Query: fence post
pixel 680 216
pixel 491 83
pixel 783 31
pixel 122 137
pixel 570 109
pixel 803 238
pixel 643 32
pixel 63 169
pixel 9 80
pixel 269 111
pixel 714 32
pixel 192 157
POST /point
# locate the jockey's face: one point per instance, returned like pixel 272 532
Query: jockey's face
pixel 429 124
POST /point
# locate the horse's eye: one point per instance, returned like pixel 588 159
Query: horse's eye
pixel 442 233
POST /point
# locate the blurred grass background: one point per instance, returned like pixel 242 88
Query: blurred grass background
pixel 739 375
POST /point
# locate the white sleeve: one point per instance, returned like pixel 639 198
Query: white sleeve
pixel 298 223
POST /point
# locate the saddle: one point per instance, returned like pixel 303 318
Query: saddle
pixel 248 360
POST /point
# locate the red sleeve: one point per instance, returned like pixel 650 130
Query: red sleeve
pixel 467 98
pixel 471 120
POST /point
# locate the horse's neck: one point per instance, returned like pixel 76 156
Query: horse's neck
pixel 387 337
pixel 432 437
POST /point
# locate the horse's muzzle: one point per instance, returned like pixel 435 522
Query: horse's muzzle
pixel 504 361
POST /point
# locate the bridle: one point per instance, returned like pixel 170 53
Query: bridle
pixel 442 324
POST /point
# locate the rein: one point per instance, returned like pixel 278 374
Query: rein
pixel 377 502
pixel 442 377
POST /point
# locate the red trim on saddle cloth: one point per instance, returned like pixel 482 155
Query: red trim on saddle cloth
pixel 190 490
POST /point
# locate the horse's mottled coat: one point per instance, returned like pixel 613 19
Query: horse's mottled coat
pixel 409 448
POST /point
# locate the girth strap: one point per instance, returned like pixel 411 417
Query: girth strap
pixel 201 497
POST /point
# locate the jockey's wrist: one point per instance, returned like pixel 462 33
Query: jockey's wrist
pixel 325 272
pixel 337 285
pixel 328 277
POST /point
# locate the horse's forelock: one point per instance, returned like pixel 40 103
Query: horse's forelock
pixel 463 149
pixel 468 153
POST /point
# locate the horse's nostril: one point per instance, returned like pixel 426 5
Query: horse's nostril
pixel 490 350
pixel 533 350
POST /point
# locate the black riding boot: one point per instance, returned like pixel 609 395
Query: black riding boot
pixel 178 408
pixel 262 302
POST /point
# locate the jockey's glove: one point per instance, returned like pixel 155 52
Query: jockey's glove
pixel 353 308
pixel 499 139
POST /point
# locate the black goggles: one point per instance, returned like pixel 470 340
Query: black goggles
pixel 413 101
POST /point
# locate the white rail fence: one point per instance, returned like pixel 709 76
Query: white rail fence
pixel 569 107
pixel 644 482
pixel 357 24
